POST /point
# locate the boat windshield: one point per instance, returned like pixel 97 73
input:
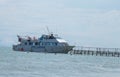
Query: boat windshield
pixel 47 37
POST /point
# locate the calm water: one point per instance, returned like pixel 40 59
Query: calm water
pixel 22 64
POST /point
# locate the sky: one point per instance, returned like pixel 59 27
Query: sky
pixel 93 23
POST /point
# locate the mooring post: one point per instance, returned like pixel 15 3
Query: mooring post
pixel 81 52
pixel 88 53
pixel 118 54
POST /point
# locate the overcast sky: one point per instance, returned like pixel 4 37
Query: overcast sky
pixel 81 22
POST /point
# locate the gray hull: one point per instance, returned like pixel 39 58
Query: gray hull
pixel 49 49
pixel 44 49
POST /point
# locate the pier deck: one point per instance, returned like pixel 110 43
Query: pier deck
pixel 96 51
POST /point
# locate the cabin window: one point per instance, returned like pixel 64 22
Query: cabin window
pixel 56 44
pixel 30 43
pixel 36 43
pixel 47 43
pixel 25 43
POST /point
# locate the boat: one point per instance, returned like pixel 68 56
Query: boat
pixel 47 43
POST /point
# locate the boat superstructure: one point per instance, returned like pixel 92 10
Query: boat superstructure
pixel 49 43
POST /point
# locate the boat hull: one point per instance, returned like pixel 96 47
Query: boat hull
pixel 43 49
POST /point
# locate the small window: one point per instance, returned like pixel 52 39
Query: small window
pixel 56 44
pixel 30 43
pixel 36 43
pixel 25 43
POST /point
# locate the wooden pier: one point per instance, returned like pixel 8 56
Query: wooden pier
pixel 96 51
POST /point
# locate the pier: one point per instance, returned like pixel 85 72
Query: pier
pixel 96 51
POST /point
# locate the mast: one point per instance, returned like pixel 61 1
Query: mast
pixel 48 30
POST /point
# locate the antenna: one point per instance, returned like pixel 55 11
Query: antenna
pixel 48 29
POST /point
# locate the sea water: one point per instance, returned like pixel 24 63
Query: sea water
pixel 23 64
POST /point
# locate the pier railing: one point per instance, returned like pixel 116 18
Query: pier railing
pixel 97 51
